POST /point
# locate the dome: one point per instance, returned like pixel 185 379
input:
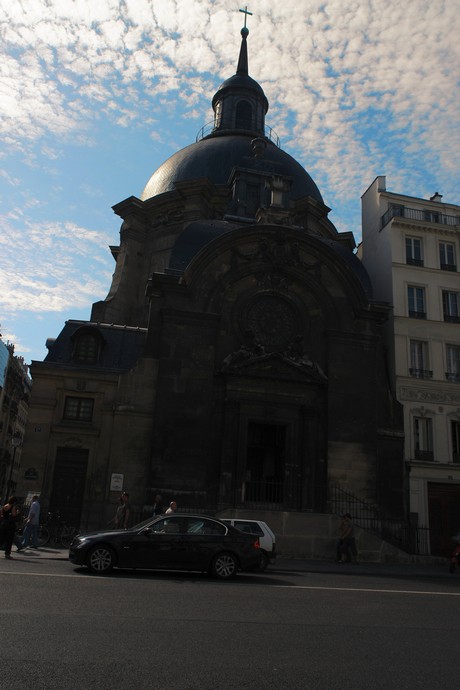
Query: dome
pixel 215 158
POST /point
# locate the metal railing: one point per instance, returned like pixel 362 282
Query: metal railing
pixel 419 214
pixel 211 127
pixel 410 538
pixel 274 496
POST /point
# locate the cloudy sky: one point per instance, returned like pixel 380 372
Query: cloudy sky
pixel 94 96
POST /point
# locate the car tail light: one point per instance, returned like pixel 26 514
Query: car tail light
pixel 257 543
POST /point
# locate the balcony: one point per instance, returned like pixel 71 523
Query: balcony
pixel 410 261
pixel 421 373
pixel 453 377
pixel 417 314
pixel 449 267
pixel 455 457
pixel 426 455
pixel 452 318
pixel 424 216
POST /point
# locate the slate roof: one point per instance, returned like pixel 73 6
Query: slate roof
pixel 122 345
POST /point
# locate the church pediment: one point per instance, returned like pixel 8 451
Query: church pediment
pixel 278 365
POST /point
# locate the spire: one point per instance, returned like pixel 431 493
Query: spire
pixel 243 58
pixel 240 104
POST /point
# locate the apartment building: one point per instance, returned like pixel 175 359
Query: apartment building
pixel 411 249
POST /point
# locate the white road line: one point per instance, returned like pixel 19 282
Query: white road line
pixel 368 589
pixel 296 587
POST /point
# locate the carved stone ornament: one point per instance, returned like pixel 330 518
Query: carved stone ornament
pixel 424 395
pixel 278 253
pixel 272 321
pixel 251 353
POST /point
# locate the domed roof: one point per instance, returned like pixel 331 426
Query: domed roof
pixel 239 108
pixel 215 158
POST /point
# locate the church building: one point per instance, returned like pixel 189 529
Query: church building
pixel 237 360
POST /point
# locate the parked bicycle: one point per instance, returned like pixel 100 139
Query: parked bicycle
pixel 57 531
pixel 43 534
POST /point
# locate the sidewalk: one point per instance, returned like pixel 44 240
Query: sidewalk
pixel 409 570
pixel 290 565
pixel 47 552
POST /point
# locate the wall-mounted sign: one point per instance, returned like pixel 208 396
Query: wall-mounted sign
pixel 116 482
pixel 31 473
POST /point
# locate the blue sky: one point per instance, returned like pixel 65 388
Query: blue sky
pixel 94 96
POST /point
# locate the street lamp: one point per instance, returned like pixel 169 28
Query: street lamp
pixel 15 442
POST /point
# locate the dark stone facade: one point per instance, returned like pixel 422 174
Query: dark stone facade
pixel 237 359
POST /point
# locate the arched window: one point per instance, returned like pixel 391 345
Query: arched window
pixel 243 115
pixel 87 347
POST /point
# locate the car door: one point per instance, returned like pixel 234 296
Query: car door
pixel 160 545
pixel 203 538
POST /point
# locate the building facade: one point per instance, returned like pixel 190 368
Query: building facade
pixel 411 250
pixel 237 359
pixel 15 390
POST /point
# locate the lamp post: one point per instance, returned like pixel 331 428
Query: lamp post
pixel 15 442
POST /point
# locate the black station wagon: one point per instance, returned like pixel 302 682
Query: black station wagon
pixel 170 542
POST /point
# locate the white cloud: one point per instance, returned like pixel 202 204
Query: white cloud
pixel 355 90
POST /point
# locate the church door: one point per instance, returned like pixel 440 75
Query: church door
pixel 69 484
pixel 265 457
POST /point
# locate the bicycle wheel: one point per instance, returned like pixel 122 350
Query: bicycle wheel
pixel 43 535
pixel 67 535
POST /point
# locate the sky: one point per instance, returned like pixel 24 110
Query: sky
pixel 94 96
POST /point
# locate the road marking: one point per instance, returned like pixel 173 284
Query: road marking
pixel 368 589
pixel 95 578
pixel 16 573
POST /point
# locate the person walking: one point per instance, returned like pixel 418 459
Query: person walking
pixel 123 512
pixel 31 528
pixel 340 541
pixel 8 517
pixel 157 506
pixel 349 541
pixel 172 508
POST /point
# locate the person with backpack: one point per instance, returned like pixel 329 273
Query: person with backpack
pixel 8 518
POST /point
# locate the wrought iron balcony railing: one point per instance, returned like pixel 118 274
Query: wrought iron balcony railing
pixel 421 373
pixel 420 215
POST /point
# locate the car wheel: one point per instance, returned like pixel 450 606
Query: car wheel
pixel 264 561
pixel 224 566
pixel 101 559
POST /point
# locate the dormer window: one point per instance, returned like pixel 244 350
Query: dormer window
pixel 88 346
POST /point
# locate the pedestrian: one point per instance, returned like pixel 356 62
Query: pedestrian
pixel 172 508
pixel 157 506
pixel 340 541
pixel 123 512
pixel 8 518
pixel 349 541
pixel 31 528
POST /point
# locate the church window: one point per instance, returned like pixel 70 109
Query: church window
pixel 243 115
pixel 78 409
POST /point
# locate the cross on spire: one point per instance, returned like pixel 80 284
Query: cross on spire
pixel 246 13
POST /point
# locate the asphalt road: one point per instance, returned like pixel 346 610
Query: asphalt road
pixel 64 628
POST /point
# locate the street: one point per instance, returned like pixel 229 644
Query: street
pixel 64 628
